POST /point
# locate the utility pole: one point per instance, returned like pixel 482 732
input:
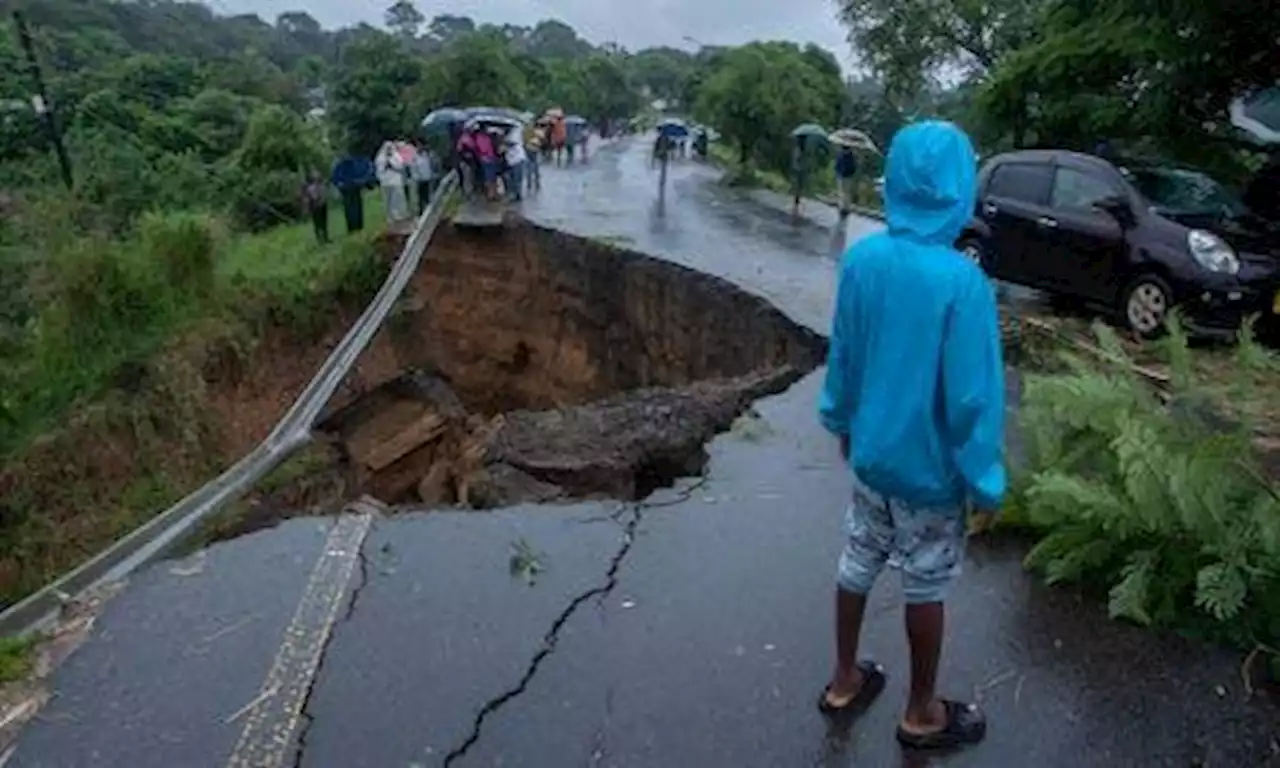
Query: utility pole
pixel 40 101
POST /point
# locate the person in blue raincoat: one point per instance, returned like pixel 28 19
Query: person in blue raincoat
pixel 914 391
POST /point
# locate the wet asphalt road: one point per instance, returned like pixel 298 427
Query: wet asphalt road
pixel 692 630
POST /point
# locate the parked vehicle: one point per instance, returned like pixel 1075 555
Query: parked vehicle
pixel 1134 237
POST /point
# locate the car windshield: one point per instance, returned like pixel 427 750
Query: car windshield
pixel 1178 190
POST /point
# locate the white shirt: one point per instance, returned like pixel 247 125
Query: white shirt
pixel 515 154
pixel 390 169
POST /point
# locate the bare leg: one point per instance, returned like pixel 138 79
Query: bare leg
pixel 925 622
pixel 847 680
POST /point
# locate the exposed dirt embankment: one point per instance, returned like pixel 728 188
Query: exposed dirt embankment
pixel 529 318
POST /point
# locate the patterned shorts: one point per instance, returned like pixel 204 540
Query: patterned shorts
pixel 925 544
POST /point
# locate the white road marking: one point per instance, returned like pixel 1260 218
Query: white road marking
pixel 273 716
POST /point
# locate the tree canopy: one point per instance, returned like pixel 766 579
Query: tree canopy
pixel 1154 75
pixel 161 94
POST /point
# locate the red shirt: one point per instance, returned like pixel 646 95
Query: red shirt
pixel 484 146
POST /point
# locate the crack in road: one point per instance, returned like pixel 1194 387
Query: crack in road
pixel 305 716
pixel 550 638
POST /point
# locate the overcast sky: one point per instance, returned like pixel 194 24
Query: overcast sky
pixel 633 23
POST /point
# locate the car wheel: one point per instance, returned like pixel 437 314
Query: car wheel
pixel 971 248
pixel 1145 304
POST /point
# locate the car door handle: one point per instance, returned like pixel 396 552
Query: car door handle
pixel 989 209
pixel 1045 221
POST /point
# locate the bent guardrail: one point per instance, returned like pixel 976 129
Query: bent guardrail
pixel 160 534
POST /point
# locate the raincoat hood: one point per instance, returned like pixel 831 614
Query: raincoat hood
pixel 930 182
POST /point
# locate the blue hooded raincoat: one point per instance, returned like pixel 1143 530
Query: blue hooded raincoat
pixel 914 372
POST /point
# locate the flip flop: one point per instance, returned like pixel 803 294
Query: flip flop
pixel 965 725
pixel 873 681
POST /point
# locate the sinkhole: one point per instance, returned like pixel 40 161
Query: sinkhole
pixel 532 365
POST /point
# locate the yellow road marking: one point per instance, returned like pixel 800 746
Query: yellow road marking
pixel 273 716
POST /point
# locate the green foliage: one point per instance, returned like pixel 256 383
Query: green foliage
pixel 757 93
pixel 1133 70
pixel 1160 503
pixel 370 96
pixel 279 140
pixel 261 200
pixel 284 278
pixel 405 18
pixel 16 657
pixel 476 69
pixel 909 43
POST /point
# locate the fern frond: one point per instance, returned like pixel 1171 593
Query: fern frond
pixel 1131 596
pixel 1221 590
pixel 1057 545
pixel 1056 497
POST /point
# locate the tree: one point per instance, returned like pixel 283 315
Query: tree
pixel 447 29
pixel 219 118
pixel 757 93
pixel 609 95
pixel 369 102
pixel 662 71
pixel 910 42
pixel 156 80
pixel 554 39
pixel 278 140
pixel 405 18
pixel 1119 70
pixel 476 69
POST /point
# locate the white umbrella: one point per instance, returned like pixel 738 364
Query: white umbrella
pixel 854 139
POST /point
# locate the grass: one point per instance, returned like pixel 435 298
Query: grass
pixel 109 373
pixel 284 277
pixel 16 658
pixel 106 308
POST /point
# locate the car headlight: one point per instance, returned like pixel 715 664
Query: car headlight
pixel 1212 252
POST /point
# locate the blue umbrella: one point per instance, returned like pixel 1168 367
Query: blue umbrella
pixel 442 118
pixel 673 128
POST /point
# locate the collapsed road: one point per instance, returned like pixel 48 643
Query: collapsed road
pixel 687 627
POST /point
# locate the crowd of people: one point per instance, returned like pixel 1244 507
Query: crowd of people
pixel 497 157
pixel 504 158
pixel 405 172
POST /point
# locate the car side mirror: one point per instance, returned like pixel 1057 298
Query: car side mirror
pixel 1117 207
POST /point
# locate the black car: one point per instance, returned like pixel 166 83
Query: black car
pixel 1137 238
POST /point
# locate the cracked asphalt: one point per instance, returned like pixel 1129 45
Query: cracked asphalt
pixel 692 629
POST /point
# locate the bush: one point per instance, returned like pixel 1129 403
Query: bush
pixel 102 307
pixel 1158 500
pixel 262 200
pixel 182 248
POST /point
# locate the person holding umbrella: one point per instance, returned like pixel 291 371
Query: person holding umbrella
pixel 846 177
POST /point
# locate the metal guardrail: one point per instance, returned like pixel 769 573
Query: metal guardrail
pixel 162 533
